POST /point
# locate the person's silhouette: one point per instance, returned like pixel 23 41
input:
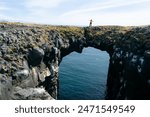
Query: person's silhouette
pixel 90 25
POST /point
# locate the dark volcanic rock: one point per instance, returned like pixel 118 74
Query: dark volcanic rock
pixel 30 56
pixel 5 87
pixel 35 56
pixel 31 94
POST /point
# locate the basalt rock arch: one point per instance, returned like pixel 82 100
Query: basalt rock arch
pixel 30 56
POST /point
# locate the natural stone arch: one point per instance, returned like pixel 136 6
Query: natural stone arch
pixel 128 47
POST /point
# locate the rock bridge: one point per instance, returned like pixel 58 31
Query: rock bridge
pixel 30 55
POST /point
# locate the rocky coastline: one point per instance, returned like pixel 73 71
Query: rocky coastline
pixel 30 55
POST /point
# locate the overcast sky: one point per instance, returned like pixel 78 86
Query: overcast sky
pixel 77 12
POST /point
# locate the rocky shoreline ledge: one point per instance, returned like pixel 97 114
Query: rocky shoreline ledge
pixel 30 55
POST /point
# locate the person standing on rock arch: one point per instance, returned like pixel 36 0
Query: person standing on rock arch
pixel 91 21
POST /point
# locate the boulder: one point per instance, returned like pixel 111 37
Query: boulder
pixel 35 56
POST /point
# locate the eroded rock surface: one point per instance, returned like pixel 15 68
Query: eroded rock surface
pixel 30 56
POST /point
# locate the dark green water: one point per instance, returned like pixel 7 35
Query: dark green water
pixel 83 76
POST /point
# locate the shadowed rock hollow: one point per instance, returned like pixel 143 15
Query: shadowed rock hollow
pixel 30 56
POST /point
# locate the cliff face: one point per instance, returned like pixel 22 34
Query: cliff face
pixel 129 50
pixel 30 56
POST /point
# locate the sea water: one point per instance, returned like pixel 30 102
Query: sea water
pixel 83 76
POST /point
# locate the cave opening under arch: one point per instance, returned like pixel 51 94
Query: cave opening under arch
pixel 83 76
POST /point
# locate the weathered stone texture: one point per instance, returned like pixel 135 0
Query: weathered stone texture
pixel 30 56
